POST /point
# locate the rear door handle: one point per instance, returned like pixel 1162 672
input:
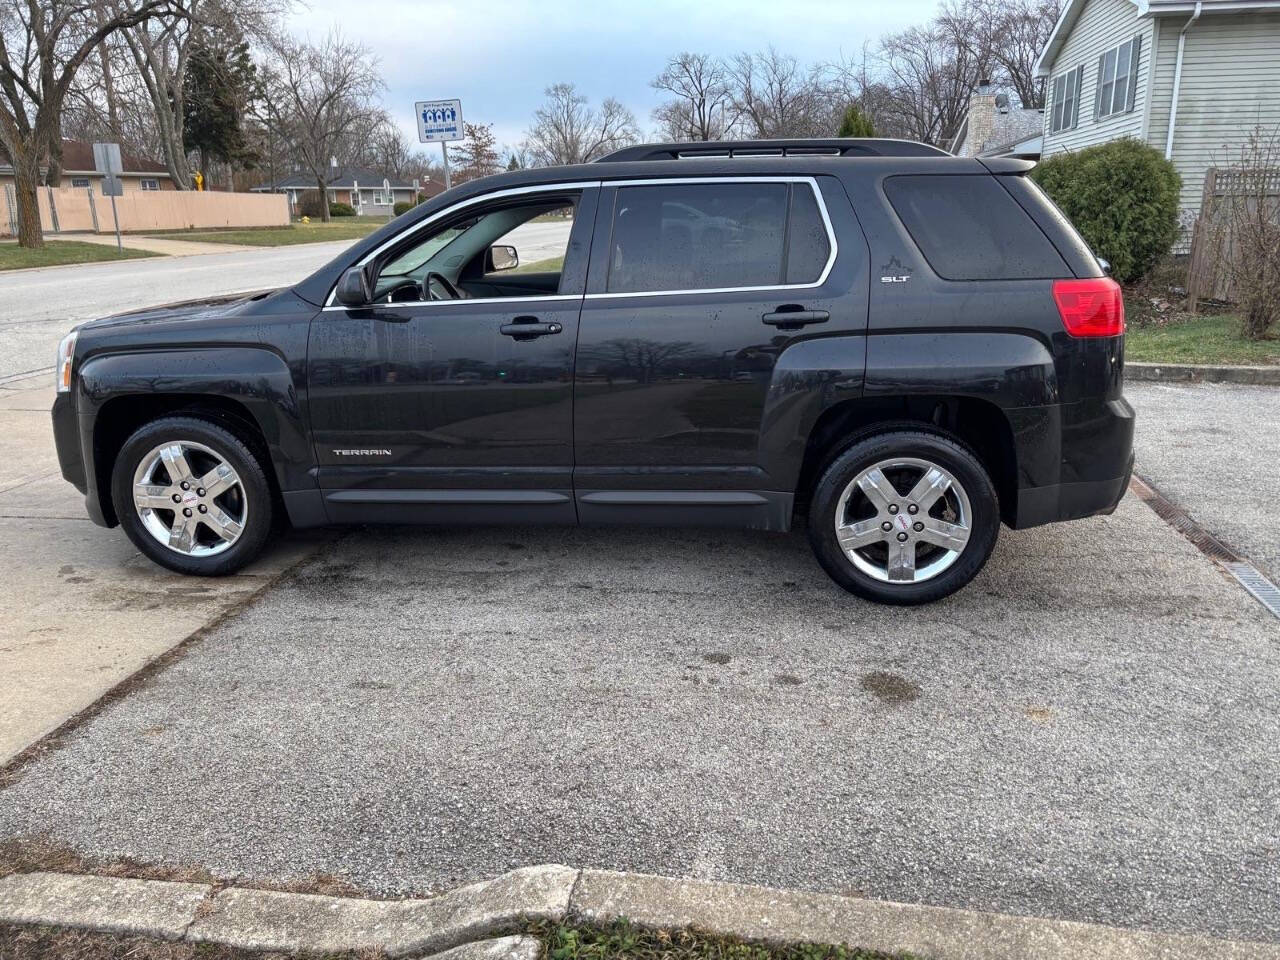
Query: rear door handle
pixel 529 328
pixel 795 319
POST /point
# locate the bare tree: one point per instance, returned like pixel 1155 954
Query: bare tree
pixel 774 96
pixel 567 130
pixel 42 45
pixel 159 51
pixel 316 95
pixel 1005 37
pixel 476 155
pixel 931 72
pixel 701 107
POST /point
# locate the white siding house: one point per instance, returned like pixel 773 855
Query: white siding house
pixel 1226 80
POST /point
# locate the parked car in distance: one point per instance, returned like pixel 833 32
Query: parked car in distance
pixel 898 348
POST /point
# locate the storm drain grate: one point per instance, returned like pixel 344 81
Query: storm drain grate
pixel 1248 576
pixel 1263 590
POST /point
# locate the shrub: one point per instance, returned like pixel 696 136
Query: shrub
pixel 402 206
pixel 1123 198
pixel 341 210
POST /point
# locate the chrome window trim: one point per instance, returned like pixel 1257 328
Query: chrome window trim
pixel 583 185
pixel 822 209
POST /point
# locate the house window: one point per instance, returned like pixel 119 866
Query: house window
pixel 1117 79
pixel 1065 93
pixel 80 182
pixel 148 184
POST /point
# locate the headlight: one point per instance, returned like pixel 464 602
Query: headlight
pixel 66 350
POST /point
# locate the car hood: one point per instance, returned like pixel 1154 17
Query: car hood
pixel 206 308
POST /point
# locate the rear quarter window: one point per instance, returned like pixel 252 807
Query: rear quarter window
pixel 969 228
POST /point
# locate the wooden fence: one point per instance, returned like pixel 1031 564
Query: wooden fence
pixel 80 210
pixel 1210 272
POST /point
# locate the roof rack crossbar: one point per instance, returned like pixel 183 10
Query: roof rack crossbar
pixel 725 149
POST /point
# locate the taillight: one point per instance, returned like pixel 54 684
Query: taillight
pixel 1090 308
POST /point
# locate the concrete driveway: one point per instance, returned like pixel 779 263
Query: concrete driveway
pixel 1090 731
pixel 1214 450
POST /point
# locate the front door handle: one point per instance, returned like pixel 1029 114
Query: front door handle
pixel 529 328
pixel 795 318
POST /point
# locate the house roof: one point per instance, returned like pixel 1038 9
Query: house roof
pixel 1146 8
pixel 1028 148
pixel 342 178
pixel 77 157
pixel 1008 127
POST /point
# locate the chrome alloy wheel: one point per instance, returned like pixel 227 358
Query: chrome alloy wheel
pixel 190 499
pixel 901 537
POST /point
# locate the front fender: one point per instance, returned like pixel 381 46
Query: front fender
pixel 256 379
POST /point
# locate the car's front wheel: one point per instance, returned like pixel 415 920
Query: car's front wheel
pixel 192 496
pixel 904 517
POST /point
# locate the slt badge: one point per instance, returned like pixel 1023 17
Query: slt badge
pixel 895 271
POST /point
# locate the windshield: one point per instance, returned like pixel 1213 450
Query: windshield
pixel 415 257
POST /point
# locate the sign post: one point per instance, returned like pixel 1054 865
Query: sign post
pixel 106 160
pixel 439 120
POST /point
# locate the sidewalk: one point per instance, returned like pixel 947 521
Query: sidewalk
pixel 169 247
pixel 79 603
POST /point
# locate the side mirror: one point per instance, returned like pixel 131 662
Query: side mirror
pixel 501 256
pixel 1104 264
pixel 353 289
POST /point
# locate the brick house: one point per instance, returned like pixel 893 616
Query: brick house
pixel 139 174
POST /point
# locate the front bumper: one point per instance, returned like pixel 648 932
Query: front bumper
pixel 74 461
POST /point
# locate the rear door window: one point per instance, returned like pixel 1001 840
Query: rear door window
pixel 969 228
pixel 708 236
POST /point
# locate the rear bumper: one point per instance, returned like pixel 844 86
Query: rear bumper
pixel 1094 466
pixel 1071 501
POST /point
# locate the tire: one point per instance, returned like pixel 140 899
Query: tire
pixel 238 503
pixel 940 539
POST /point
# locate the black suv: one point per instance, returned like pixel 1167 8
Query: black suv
pixel 902 347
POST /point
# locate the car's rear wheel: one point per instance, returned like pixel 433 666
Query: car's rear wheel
pixel 904 517
pixel 192 496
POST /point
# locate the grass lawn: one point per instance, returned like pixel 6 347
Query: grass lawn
pixel 58 252
pixel 1198 339
pixel 550 265
pixel 342 228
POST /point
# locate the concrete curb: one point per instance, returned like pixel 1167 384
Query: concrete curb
pixel 1202 373
pixel 461 921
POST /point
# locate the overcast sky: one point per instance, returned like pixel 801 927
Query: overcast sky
pixel 499 55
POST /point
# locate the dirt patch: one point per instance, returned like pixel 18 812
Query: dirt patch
pixel 57 943
pixel 32 854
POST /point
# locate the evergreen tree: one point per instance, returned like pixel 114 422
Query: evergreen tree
pixel 221 81
pixel 855 124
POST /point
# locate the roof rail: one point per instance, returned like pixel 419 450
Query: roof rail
pixel 724 149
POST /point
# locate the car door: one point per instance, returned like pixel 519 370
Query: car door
pixel 697 286
pixel 453 410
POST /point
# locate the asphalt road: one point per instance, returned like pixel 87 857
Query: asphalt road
pixel 1091 730
pixel 41 305
pixel 1214 450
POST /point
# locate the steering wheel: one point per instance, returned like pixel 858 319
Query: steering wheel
pixel 399 288
pixel 445 283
